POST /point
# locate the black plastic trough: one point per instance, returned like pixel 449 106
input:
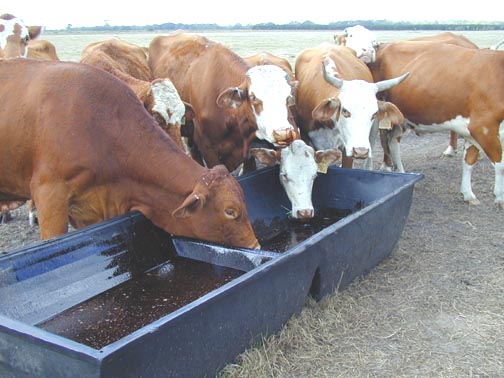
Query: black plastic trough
pixel 49 290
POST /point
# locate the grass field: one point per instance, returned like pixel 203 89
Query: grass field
pixel 287 44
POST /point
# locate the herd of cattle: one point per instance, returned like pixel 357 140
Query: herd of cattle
pixel 160 129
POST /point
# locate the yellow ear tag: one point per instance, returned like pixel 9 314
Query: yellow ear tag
pixel 322 167
pixel 385 124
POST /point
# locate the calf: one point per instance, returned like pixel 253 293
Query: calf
pixel 84 148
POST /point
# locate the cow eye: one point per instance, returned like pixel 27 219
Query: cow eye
pixel 345 113
pixel 284 177
pixel 231 213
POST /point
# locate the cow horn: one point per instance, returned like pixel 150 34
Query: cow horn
pixel 338 83
pixel 387 84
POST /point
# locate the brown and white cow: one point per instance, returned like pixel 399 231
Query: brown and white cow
pixel 336 100
pixel 84 148
pixel 298 162
pixel 451 88
pixel 15 35
pixel 362 41
pixel 233 102
pixel 128 62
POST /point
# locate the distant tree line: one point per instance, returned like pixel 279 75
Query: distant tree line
pixel 307 25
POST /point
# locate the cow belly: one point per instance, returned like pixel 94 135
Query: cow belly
pixel 325 138
pixel 458 124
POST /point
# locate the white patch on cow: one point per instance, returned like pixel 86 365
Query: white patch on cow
pixel 298 171
pixel 358 98
pixel 270 84
pixel 9 31
pixel 362 41
pixel 499 172
pixel 325 138
pixel 167 102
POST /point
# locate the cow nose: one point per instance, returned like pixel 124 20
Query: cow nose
pixel 360 153
pixel 304 214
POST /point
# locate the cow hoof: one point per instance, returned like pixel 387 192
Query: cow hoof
pixel 500 204
pixel 449 153
pixel 472 201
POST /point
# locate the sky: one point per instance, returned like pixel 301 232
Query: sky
pixel 54 14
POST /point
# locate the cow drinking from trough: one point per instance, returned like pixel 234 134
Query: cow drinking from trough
pixel 337 102
pixel 85 149
pixel 298 162
pixel 235 103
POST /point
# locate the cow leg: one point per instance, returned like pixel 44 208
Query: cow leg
pixel 499 183
pixel 451 150
pixel 52 209
pixel 470 156
pixel 32 213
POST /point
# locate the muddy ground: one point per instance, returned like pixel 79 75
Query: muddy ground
pixel 434 308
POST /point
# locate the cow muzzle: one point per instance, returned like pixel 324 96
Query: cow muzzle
pixel 285 137
pixel 360 153
pixel 303 215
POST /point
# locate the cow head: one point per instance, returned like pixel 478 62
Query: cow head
pixel 361 40
pixel 298 170
pixel 353 110
pixel 170 112
pixel 14 36
pixel 268 91
pixel 216 211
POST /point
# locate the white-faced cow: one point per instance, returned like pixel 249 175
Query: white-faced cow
pixel 15 35
pixel 84 148
pixel 128 62
pixel 298 170
pixel 360 39
pixel 298 162
pixel 451 88
pixel 336 101
pixel 233 102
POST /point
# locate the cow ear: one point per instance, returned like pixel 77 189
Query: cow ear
pixel 34 31
pixel 390 111
pixel 191 204
pixel 329 157
pixel 231 98
pixel 189 111
pixel 265 156
pixel 326 109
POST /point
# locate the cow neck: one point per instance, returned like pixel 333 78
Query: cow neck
pixel 163 175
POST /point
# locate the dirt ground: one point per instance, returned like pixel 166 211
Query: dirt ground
pixel 434 308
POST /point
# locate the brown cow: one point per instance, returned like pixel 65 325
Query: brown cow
pixel 128 62
pixel 15 35
pixel 336 100
pixel 86 150
pixel 233 102
pixel 451 88
pixel 42 50
pixel 265 57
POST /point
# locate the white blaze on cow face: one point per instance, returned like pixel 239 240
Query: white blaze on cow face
pixel 270 91
pixel 168 102
pixel 14 36
pixel 362 41
pixel 298 171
